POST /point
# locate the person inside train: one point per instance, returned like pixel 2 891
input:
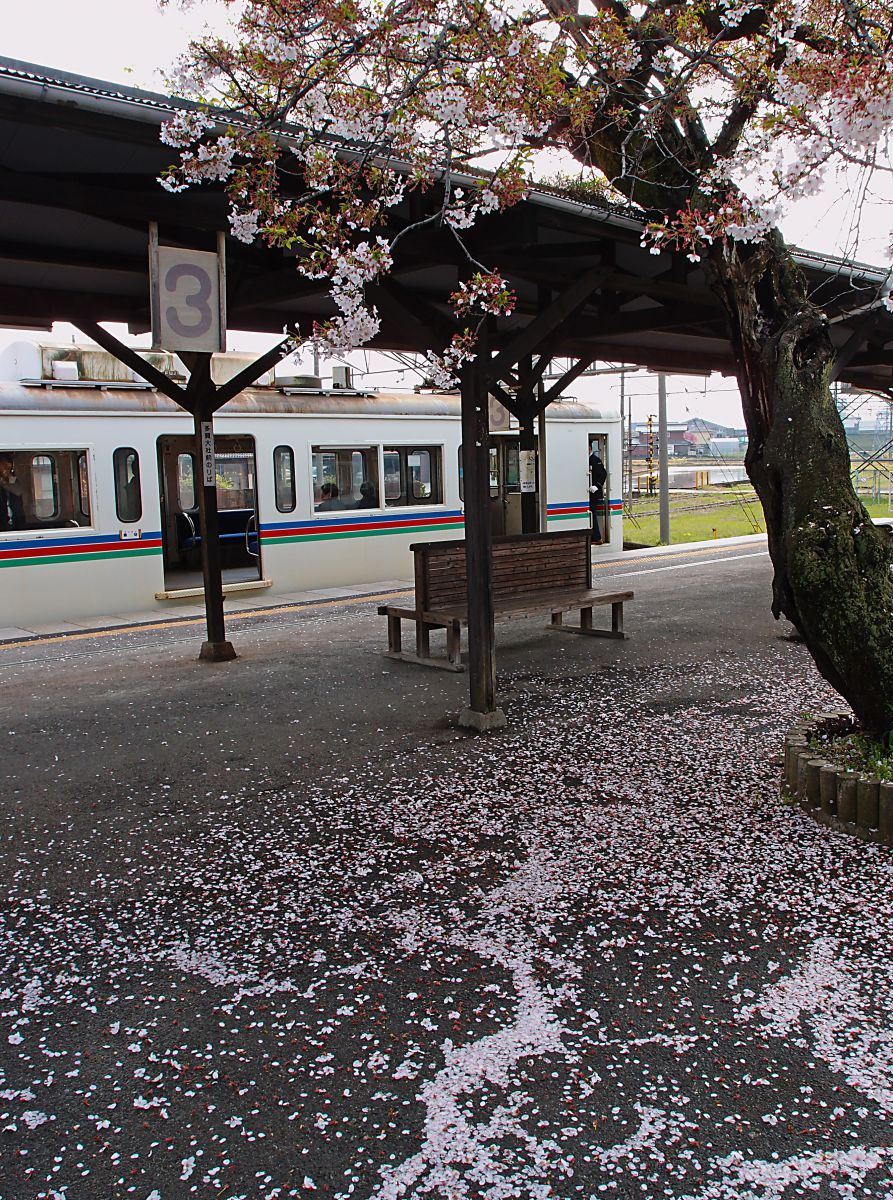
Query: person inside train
pixel 12 495
pixel 329 498
pixel 368 495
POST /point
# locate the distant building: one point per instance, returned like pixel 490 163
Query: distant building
pixel 696 437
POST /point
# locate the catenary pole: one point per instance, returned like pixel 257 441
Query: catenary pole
pixel 663 468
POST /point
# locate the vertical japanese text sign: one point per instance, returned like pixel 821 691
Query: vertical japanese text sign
pixel 527 470
pixel 187 298
pixel 209 477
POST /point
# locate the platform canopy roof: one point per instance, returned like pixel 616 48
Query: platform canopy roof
pixel 79 164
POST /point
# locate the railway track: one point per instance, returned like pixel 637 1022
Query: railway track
pixel 636 514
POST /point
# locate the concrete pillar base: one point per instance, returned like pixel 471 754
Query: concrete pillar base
pixel 217 652
pixel 482 722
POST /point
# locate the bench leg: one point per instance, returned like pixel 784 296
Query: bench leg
pixel 395 634
pixel 586 626
pixel 617 618
pixel 454 643
pixel 422 639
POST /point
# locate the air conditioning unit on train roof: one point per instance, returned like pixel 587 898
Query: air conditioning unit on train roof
pixel 89 364
pixel 65 371
pixel 310 383
pixel 342 376
pixel 225 367
pixel 69 364
pixel 20 360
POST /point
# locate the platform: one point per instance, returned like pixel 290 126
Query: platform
pixel 258 904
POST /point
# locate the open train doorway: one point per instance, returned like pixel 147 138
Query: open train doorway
pixel 236 474
pixel 505 485
pixel 599 488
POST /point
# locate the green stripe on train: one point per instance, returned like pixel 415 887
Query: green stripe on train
pixel 266 540
pixel 55 559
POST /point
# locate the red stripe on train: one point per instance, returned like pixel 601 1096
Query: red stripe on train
pixel 80 548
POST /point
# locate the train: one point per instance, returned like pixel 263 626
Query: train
pixel 317 486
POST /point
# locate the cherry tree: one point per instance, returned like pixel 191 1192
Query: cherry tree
pixel 705 115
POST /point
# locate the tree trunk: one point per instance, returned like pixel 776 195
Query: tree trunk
pixel 832 566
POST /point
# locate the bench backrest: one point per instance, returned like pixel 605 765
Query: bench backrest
pixel 523 564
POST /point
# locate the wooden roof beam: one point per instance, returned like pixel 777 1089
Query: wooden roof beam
pixel 547 322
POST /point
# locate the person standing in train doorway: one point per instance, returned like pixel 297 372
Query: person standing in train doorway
pixel 12 495
pixel 597 477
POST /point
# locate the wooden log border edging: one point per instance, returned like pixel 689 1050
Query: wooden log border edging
pixel 847 800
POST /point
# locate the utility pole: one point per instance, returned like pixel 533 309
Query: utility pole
pixel 622 435
pixel 650 458
pixel 662 460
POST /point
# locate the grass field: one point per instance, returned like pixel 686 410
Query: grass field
pixel 700 516
pixel 694 516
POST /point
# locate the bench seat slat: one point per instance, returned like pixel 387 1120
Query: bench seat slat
pixel 545 602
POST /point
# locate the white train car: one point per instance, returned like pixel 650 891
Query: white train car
pixel 315 488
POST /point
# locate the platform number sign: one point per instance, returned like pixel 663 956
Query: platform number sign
pixel 187 312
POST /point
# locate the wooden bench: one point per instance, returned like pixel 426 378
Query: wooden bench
pixel 532 573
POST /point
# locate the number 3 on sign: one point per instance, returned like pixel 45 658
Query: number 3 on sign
pixel 186 300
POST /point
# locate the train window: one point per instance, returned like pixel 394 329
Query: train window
pixel 422 478
pixel 493 471
pixel 412 475
pixel 512 480
pixel 284 478
pixel 40 488
pixel 344 478
pixel 14 491
pixel 45 487
pixel 83 486
pixel 185 481
pixel 235 479
pixel 126 469
pixel 394 487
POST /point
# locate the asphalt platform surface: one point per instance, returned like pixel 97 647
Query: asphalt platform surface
pixel 278 928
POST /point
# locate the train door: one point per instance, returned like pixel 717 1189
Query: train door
pixel 505 485
pixel 600 506
pixel 236 472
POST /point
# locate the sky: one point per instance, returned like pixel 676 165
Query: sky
pixel 133 42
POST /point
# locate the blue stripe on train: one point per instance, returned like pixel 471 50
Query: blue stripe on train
pixel 98 539
pixel 357 518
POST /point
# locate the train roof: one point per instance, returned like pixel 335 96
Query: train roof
pixel 45 398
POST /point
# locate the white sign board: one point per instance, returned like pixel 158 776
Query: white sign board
pixel 500 417
pixel 208 473
pixel 186 300
pixel 527 470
